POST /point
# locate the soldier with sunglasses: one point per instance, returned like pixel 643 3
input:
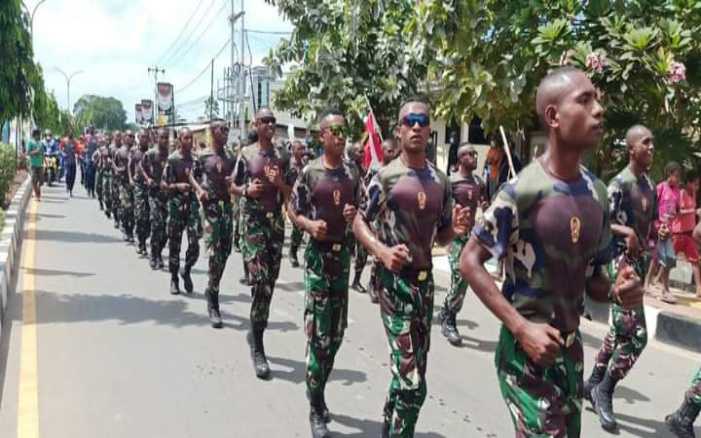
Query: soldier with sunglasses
pixel 152 169
pixel 126 190
pixel 410 202
pixel 262 179
pixel 323 203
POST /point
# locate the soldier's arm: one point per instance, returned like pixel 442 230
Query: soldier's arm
pixel 130 174
pixel 238 185
pixel 145 170
pixel 193 182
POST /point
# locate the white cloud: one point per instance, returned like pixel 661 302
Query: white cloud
pixel 115 41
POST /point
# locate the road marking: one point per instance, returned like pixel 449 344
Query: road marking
pixel 28 403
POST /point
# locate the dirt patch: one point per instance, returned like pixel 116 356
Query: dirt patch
pixel 14 186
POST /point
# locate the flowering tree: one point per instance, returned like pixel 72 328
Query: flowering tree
pixel 645 55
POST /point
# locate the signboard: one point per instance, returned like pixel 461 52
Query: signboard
pixel 166 113
pixel 147 111
pixel 138 116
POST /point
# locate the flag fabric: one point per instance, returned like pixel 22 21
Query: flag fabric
pixel 373 146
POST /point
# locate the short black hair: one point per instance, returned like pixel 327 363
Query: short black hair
pixel 672 167
pixel 36 131
pixel 416 98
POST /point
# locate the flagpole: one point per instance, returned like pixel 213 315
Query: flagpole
pixel 508 151
pixel 377 128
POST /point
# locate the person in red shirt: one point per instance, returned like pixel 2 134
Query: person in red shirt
pixel 683 226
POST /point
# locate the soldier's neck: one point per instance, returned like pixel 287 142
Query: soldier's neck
pixel 466 173
pixel 636 169
pixel 265 144
pixel 331 162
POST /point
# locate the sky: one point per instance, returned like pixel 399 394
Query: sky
pixel 114 42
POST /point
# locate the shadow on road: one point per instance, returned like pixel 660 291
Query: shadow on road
pixel 296 372
pixel 74 237
pixel 368 428
pixel 290 287
pixel 50 216
pixel 53 272
pixel 644 428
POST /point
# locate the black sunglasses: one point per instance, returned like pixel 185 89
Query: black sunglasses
pixel 267 120
pixel 412 119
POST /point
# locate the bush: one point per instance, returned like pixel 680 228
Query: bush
pixel 8 169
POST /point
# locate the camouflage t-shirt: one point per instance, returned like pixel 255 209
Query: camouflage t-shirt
pixel 253 164
pixel 548 232
pixel 409 206
pixel 468 191
pixel 322 193
pixel 632 203
pixel 296 167
pixel 215 168
pixel 153 164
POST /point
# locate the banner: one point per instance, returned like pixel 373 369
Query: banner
pixel 165 103
pixel 147 111
pixel 373 147
pixel 138 116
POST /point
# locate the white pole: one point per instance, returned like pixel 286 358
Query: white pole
pixel 512 169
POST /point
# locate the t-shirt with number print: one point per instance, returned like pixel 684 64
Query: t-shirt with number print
pixel 548 232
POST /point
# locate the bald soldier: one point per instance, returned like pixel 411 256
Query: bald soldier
pixel 141 206
pixel 152 166
pixel 551 225
pixel 323 203
pixel 469 191
pixel 632 211
pixel 126 190
pixel 262 178
pixel 410 202
pixel 183 213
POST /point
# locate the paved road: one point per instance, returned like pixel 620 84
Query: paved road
pixel 112 354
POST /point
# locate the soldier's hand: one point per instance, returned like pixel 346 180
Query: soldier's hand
pixel 663 232
pixel 317 229
pixel 632 244
pixel 396 257
pixel 349 212
pixel 541 342
pixel 255 189
pixel 202 196
pixel 628 289
pixel 275 176
pixel 183 187
pixel 462 216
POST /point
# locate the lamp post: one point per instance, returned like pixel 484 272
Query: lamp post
pixel 68 86
pixel 31 18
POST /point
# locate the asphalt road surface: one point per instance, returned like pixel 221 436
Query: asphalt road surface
pixel 98 348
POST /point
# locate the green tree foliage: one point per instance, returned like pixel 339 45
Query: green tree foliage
pixel 490 56
pixel 19 75
pixel 343 50
pixel 100 112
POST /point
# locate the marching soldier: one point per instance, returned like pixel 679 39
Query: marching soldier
pixel 126 191
pixel 141 205
pixel 152 166
pixel 296 165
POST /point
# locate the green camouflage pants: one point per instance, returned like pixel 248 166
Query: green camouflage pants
pixel 235 209
pixel 183 215
pixel 627 336
pixel 99 180
pixel 116 203
pixel 141 213
pixel 218 230
pixel 158 212
pixel 107 192
pixel 325 310
pixel 296 239
pixel 406 307
pixel 458 286
pixel 126 208
pixel 543 402
pixel 262 238
pixel 694 393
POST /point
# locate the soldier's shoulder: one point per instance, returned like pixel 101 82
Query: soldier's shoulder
pixel 174 157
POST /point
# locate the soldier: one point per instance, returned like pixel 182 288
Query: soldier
pixel 551 226
pixel 141 206
pixel 681 421
pixel 114 180
pixel 469 191
pixel 216 167
pixel 126 191
pixel 323 202
pixel 410 202
pixel 246 279
pixel 106 164
pixel 152 166
pixel 297 163
pixel 99 177
pixel 262 178
pixel 356 155
pixel 632 211
pixel 183 213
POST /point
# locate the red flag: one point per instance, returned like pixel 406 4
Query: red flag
pixel 373 147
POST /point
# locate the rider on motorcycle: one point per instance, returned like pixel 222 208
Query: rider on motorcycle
pixel 51 156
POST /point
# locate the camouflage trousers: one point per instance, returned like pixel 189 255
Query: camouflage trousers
pixel 183 216
pixel 158 211
pixel 543 402
pixel 361 256
pixel 99 180
pixel 126 208
pixel 235 209
pixel 261 246
pixel 627 336
pixel 107 192
pixel 116 203
pixel 218 233
pixel 142 213
pixel 296 239
pixel 693 394
pixel 325 310
pixel 458 286
pixel 406 307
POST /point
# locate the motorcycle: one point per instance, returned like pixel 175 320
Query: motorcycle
pixel 51 165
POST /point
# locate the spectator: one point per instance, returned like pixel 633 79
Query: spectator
pixel 496 168
pixel 683 227
pixel 453 146
pixel 69 162
pixel 36 161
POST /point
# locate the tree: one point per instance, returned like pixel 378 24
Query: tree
pixel 211 108
pixel 343 51
pixel 645 56
pixel 100 112
pixel 19 75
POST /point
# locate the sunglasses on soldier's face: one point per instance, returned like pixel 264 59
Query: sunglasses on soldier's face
pixel 337 130
pixel 267 120
pixel 412 119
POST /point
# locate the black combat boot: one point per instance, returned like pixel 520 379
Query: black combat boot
pixel 356 283
pixel 213 309
pixel 159 262
pixel 325 414
pixel 174 284
pixel 102 207
pixel 152 263
pixel 449 328
pixel 255 341
pixel 597 374
pixel 681 422
pixel 316 419
pixel 602 396
pixel 294 262
pixel 187 279
pixel 142 249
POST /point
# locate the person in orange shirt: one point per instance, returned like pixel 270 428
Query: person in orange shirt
pixel 79 154
pixel 683 227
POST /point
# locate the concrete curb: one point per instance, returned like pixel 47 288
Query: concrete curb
pixel 10 244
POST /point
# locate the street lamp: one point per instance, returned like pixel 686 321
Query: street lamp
pixel 68 85
pixel 31 18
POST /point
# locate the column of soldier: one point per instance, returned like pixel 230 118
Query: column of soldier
pixel 555 227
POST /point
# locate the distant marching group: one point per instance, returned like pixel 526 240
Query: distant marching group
pixel 557 230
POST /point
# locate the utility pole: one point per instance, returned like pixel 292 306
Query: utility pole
pixel 155 70
pixel 242 76
pixel 211 94
pixel 233 60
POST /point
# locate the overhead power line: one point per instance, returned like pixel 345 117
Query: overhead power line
pixel 182 32
pixel 206 29
pixel 175 54
pixel 205 69
pixel 269 32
